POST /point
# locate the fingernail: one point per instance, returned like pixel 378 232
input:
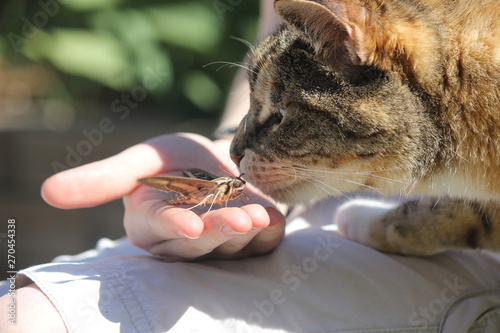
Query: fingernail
pixel 183 235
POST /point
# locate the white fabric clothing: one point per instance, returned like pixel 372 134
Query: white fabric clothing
pixel 314 282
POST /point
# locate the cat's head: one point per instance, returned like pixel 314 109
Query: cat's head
pixel 340 100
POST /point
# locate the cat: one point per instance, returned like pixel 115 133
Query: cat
pixel 401 97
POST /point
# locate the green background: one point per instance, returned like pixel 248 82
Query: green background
pixel 92 49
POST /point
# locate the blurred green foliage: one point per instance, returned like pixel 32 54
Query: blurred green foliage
pixel 101 47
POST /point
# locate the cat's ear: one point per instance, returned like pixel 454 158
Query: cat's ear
pixel 326 25
pixel 375 34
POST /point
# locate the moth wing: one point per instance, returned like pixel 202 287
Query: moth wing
pixel 180 199
pixel 190 191
pixel 180 185
pixel 199 174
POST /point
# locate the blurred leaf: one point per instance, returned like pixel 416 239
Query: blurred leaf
pixel 136 33
pixel 189 24
pixel 85 5
pixel 121 44
pixel 128 23
pixel 151 56
pixel 4 47
pixel 95 55
pixel 202 91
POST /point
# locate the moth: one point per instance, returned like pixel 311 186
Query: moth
pixel 198 187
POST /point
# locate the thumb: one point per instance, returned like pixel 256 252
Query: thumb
pixel 112 178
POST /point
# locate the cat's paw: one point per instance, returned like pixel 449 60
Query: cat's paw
pixel 356 218
pixel 387 227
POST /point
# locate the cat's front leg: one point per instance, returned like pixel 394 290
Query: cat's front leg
pixel 422 227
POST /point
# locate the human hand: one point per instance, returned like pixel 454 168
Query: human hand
pixel 171 232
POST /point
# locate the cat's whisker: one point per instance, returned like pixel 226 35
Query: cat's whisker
pixel 228 63
pixel 295 174
pixel 321 185
pixel 409 189
pixel 355 173
pixel 325 187
pixel 346 171
pixel 245 42
pixel 457 149
pixel 365 186
pixel 312 173
pixel 360 185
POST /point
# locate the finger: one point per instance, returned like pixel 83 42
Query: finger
pixel 260 241
pixel 230 233
pixel 260 219
pixel 148 221
pixel 267 240
pixel 112 178
pixel 101 181
pixel 221 226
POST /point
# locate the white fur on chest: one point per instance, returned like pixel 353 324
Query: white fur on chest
pixel 452 185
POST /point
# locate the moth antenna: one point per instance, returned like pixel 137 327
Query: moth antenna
pixel 226 171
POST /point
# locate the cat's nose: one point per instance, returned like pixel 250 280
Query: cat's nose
pixel 237 158
pixel 237 150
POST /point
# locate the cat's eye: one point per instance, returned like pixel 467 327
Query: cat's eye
pixel 275 119
pixel 270 124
